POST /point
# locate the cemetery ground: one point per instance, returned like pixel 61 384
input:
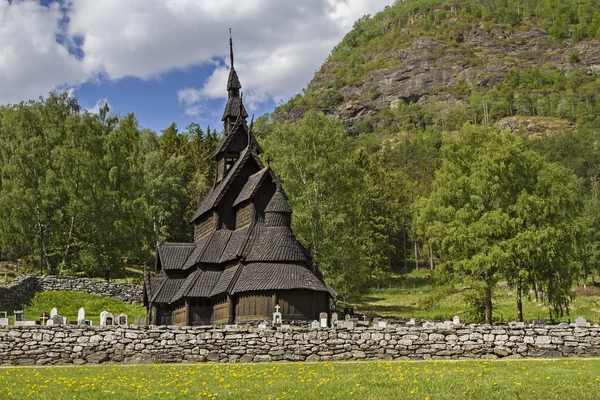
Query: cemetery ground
pixel 68 304
pixel 408 296
pixel 513 379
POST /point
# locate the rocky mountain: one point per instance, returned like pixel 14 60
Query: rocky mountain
pixel 482 61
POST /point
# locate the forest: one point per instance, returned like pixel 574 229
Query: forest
pixel 418 185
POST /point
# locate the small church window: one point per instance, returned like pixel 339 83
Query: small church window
pixel 229 162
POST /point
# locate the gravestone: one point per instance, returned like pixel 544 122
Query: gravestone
pixel 122 319
pixel 382 324
pixel 57 320
pixel 3 314
pixel 315 325
pixel 563 325
pixel 365 318
pixel 263 326
pixel 285 328
pixel 106 318
pixel 334 319
pixel 456 320
pixel 411 322
pixel 18 316
pixel 53 312
pixel 86 322
pixel 323 319
pixel 3 321
pixel 428 325
pixel 347 317
pixel 80 316
pixel 140 321
pixel 277 316
pixel 540 321
pixel 581 322
pixel 349 324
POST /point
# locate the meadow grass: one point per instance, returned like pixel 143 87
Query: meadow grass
pixel 68 304
pixel 515 379
pixel 407 296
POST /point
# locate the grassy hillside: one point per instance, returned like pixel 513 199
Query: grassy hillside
pixel 412 296
pixel 68 304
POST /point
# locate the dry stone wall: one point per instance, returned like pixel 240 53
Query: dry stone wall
pixel 146 344
pixel 25 285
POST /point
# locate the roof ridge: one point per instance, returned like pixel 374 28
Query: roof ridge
pixel 235 277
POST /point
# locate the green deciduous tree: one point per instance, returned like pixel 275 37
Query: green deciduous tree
pixel 499 211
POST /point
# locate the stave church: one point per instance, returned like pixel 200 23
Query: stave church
pixel 245 259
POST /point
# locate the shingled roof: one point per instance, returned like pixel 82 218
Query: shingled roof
pixel 216 194
pixel 216 247
pixel 233 132
pixel 278 203
pixel 234 109
pixel 226 281
pixel 233 82
pixel 236 242
pixel 173 255
pixel 254 182
pixel 276 276
pixel 168 289
pixel 278 244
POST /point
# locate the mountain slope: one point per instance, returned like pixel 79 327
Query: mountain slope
pixel 441 63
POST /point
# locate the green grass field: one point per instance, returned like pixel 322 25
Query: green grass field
pixel 523 379
pixel 68 304
pixel 406 295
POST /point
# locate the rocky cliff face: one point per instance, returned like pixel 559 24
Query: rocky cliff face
pixel 425 69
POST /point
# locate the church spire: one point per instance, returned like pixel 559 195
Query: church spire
pixel 230 48
pixel 234 108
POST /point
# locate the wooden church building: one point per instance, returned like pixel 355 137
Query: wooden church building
pixel 245 259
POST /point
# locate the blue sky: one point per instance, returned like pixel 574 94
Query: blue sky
pixel 168 61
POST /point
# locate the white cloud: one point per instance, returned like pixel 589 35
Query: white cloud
pixel 278 44
pixel 96 107
pixel 32 63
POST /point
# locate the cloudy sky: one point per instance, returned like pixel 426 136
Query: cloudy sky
pixel 167 60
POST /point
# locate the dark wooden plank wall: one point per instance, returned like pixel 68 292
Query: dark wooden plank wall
pixel 245 213
pixel 220 310
pixel 201 315
pixel 180 317
pixel 262 199
pixel 296 304
pixel 253 306
pixel 204 225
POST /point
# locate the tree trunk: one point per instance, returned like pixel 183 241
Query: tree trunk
pixel 431 256
pixel 488 304
pixel 416 253
pixel 519 301
pixel 404 247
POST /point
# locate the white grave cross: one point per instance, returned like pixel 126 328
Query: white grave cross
pixel 276 315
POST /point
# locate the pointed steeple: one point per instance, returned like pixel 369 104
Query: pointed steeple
pixel 234 107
